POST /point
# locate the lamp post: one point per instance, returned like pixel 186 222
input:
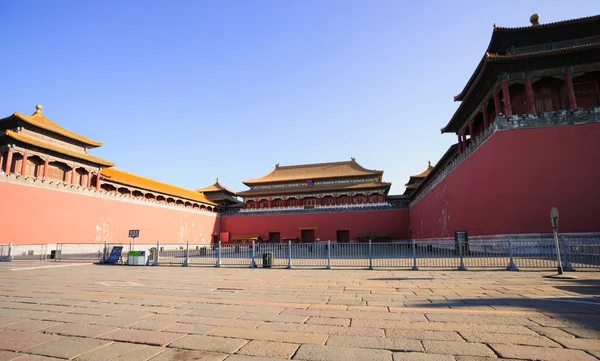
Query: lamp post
pixel 554 219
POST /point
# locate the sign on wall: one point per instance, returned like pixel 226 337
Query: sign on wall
pixel 134 233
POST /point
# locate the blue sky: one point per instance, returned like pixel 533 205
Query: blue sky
pixel 187 91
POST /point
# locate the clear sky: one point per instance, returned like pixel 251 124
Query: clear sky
pixel 187 91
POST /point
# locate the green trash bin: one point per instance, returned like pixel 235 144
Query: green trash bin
pixel 268 258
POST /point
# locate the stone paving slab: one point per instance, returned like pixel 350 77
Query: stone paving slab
pixel 273 317
pixel 253 358
pixel 578 343
pixel 152 325
pixel 528 340
pixel 19 340
pixel 141 336
pixel 422 335
pixel 209 343
pixel 268 335
pixel 192 329
pixel 37 358
pixel 323 329
pixel 394 344
pixel 335 353
pixel 540 353
pixel 119 351
pixel 187 355
pixel 328 321
pixel 9 320
pixel 457 348
pixel 66 347
pixel 30 325
pixel 8 356
pixel 81 330
pixel 417 356
pixel 269 349
pixel 221 322
pixel 438 315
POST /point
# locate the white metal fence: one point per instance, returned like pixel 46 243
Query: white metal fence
pixel 509 253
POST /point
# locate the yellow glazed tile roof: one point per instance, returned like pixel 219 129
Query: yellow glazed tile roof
pixel 216 187
pixel 351 187
pixel 56 148
pixel 38 120
pixel 126 178
pixel 315 171
pixel 424 173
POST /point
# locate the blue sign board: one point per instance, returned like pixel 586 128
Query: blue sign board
pixel 115 254
pixel 134 233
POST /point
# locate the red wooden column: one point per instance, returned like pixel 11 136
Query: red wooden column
pixel 486 117
pixel 497 104
pixel 45 167
pixel 570 91
pixel 73 174
pixel 471 134
pixel 459 144
pixel 1 158
pixel 24 164
pixel 89 179
pixel 529 96
pixel 8 160
pixel 506 97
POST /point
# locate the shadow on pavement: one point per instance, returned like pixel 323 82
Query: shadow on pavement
pixel 577 311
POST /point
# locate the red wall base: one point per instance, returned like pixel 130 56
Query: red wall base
pixel 393 222
pixel 32 215
pixel 512 181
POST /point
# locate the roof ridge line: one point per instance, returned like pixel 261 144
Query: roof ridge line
pixel 312 164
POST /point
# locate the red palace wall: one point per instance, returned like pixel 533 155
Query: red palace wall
pixel 393 222
pixel 32 215
pixel 512 181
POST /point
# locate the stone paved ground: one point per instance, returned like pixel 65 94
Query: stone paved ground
pixel 104 313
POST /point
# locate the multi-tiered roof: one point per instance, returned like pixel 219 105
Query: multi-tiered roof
pixel 346 177
pixel 219 194
pixel 39 133
pixel 526 49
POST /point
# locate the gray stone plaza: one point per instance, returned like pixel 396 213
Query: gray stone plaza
pixel 85 312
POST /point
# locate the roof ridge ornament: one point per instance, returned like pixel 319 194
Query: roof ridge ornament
pixel 38 109
pixel 534 19
pixel 353 159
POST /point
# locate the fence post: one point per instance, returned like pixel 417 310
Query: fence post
pixel 218 255
pixel 511 264
pixel 104 253
pixel 370 255
pixel 9 252
pixel 461 266
pixel 187 254
pixel 414 250
pixel 566 264
pixel 253 262
pixel 157 252
pixel 289 255
pixel 131 245
pixel 56 252
pixel 328 254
